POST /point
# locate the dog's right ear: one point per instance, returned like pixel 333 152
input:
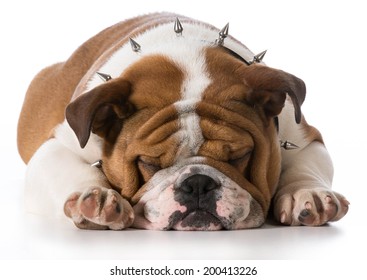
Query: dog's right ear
pixel 100 111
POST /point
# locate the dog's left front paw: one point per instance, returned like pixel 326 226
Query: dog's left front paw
pixel 99 208
pixel 311 207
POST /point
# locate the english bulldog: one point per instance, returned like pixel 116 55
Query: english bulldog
pixel 164 122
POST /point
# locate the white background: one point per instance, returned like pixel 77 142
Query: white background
pixel 322 42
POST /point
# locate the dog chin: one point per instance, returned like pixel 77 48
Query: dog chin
pixel 199 220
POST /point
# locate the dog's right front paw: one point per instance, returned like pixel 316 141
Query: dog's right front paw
pixel 99 208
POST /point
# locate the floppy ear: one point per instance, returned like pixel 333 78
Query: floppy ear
pixel 100 110
pixel 269 89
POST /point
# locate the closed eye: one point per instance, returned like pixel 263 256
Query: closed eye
pixel 147 167
pixel 241 161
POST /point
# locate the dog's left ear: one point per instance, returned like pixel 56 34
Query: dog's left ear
pixel 269 88
pixel 101 111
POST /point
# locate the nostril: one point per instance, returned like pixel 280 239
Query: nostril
pixel 186 188
pixel 210 185
pixel 198 183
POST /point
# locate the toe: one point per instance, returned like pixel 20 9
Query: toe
pixel 322 208
pixel 112 208
pixel 343 206
pixel 283 209
pixel 91 202
pixel 70 206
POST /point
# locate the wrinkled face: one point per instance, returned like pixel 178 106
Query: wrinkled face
pixel 193 158
pixel 191 141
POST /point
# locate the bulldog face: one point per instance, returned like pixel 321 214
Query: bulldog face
pixel 192 147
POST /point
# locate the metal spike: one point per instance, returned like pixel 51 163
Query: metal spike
pixel 259 57
pixel 286 145
pixel 178 27
pixel 135 46
pixel 104 77
pixel 97 164
pixel 223 33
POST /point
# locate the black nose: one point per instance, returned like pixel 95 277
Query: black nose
pixel 198 184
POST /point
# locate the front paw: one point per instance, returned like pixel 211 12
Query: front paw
pixel 99 208
pixel 311 207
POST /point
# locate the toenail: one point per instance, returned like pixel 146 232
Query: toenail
pixel 283 217
pixel 345 202
pixel 87 196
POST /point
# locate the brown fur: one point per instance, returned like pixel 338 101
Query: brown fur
pixel 155 84
pixel 53 88
pixel 234 121
pixel 248 99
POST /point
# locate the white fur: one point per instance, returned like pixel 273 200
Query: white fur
pixel 289 129
pixel 58 169
pixel 90 153
pixel 158 203
pixel 163 40
pixel 195 82
pixel 310 163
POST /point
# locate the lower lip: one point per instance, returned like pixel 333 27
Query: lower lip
pixel 199 220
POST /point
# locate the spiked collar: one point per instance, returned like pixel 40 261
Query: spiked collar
pixel 222 35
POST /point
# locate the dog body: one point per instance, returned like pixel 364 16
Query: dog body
pixel 186 129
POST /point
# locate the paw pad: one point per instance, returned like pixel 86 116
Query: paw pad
pixel 99 208
pixel 311 207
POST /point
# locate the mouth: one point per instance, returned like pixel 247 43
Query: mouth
pixel 196 197
pixel 198 220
